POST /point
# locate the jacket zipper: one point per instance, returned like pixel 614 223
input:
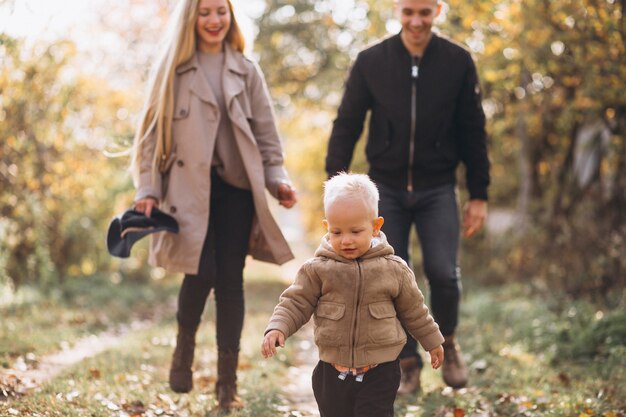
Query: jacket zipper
pixel 356 312
pixel 414 74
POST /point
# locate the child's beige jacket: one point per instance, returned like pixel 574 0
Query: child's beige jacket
pixel 358 306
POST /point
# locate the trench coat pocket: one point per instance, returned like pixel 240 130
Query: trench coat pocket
pixel 384 327
pixel 327 332
pixel 258 246
pixel 165 173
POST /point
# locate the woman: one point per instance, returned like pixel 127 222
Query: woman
pixel 206 149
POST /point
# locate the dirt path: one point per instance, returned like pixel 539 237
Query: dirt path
pixel 298 391
pixel 28 374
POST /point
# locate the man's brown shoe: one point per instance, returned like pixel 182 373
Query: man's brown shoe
pixel 410 376
pixel 454 371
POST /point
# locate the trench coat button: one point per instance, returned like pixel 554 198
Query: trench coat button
pixel 180 163
pixel 183 112
pixel 173 209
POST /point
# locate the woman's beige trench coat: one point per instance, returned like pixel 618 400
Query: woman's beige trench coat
pixel 188 182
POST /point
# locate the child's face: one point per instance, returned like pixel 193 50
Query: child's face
pixel 351 227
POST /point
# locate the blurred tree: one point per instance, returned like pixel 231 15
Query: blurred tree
pixel 127 42
pixel 305 48
pixel 60 108
pixel 56 188
pixel 552 70
pixel 553 75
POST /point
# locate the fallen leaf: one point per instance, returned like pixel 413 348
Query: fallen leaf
pixel 526 405
pixel 95 373
pixel 135 408
pixel 205 381
pixel 459 412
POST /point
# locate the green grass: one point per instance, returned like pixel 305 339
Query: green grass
pixel 527 358
pixel 131 378
pixel 33 326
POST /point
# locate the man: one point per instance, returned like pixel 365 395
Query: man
pixel 426 118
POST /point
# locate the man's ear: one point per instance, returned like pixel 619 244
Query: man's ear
pixel 378 223
pixel 439 8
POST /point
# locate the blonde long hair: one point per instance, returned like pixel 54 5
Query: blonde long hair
pixel 178 45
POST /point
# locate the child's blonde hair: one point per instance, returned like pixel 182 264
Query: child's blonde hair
pixel 348 185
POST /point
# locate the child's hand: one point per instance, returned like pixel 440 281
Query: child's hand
pixel 436 357
pixel 272 339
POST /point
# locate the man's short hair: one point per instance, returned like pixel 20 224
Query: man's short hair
pixel 348 185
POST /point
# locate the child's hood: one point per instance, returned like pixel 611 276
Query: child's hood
pixel 379 247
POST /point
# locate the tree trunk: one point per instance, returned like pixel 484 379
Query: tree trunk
pixel 525 171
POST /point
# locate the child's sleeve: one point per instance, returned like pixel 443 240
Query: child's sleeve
pixel 413 312
pixel 297 302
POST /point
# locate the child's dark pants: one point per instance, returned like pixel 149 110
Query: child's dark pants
pixel 372 397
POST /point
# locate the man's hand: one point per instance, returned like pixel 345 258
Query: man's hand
pixel 474 215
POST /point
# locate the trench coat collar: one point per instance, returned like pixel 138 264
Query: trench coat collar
pixel 232 82
pixel 234 60
pixel 199 84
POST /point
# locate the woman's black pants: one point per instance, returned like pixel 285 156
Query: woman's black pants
pixel 221 265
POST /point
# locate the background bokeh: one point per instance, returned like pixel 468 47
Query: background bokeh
pixel 553 73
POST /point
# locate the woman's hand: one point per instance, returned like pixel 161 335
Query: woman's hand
pixel 286 195
pixel 145 205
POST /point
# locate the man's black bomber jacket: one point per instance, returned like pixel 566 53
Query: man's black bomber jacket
pixel 449 119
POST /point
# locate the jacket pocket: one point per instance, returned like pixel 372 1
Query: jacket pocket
pixel 445 143
pixel 327 328
pixel 330 310
pixel 379 137
pixel 384 328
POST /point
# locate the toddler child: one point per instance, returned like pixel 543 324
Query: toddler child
pixel 360 295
